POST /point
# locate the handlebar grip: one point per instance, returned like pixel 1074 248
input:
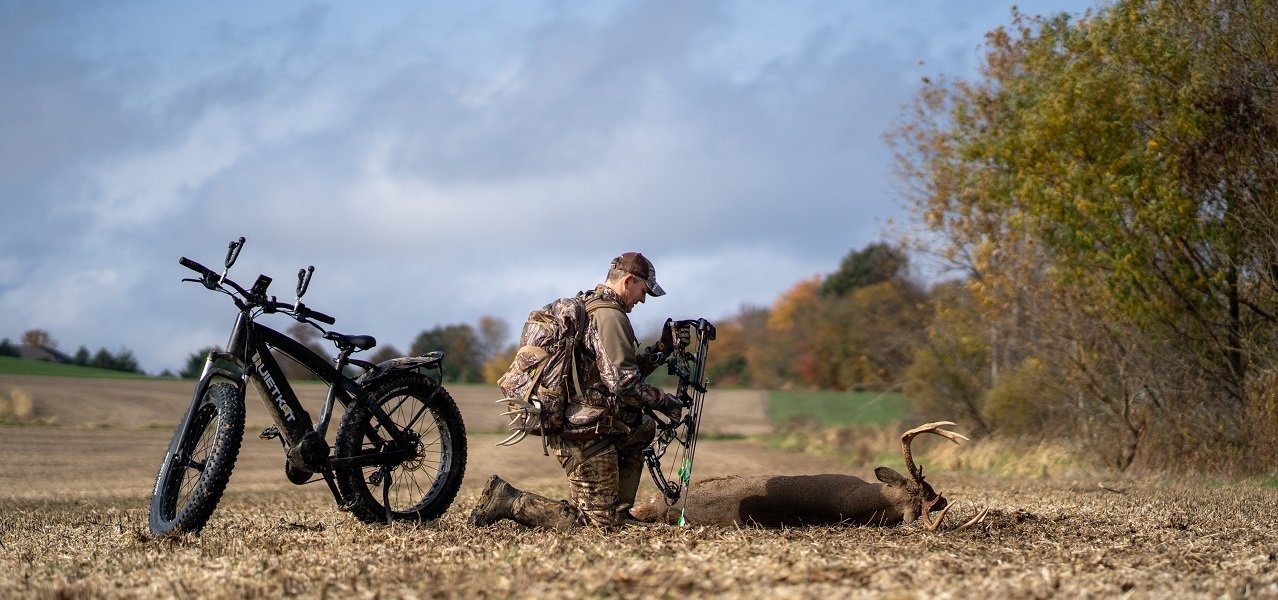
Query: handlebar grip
pixel 321 317
pixel 233 251
pixel 194 266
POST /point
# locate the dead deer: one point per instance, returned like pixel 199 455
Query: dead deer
pixel 797 500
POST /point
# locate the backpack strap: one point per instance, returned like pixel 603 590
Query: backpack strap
pixel 591 306
pixel 599 303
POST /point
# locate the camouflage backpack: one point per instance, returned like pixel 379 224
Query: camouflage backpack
pixel 536 386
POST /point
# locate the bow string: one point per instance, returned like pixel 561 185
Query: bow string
pixel 679 436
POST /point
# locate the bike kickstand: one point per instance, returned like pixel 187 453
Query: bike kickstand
pixel 386 483
pixel 332 487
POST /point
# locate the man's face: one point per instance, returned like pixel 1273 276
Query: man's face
pixel 634 291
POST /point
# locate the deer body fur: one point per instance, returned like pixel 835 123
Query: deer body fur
pixel 798 500
pixel 794 501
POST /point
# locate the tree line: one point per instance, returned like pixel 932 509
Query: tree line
pixel 120 360
pixel 1108 188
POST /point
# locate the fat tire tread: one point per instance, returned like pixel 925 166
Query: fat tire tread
pixel 191 518
pixel 360 501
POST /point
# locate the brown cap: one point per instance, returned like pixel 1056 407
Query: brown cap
pixel 638 265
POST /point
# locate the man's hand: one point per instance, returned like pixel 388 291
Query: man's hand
pixel 671 407
pixel 674 336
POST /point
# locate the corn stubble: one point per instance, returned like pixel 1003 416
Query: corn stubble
pixel 1039 538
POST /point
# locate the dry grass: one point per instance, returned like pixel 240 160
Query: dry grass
pixel 17 407
pixel 73 510
pixel 1040 540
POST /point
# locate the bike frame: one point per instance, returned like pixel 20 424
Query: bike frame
pixel 250 347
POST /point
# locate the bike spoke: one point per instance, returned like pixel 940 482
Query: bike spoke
pixel 191 463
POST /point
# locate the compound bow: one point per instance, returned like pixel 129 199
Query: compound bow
pixel 690 369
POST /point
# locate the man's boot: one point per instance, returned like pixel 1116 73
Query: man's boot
pixel 495 503
pixel 531 510
pixel 500 500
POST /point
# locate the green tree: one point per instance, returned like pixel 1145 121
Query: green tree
pixel 81 357
pixel 462 348
pixel 7 348
pixel 102 359
pixel 875 263
pixel 383 353
pixel 124 360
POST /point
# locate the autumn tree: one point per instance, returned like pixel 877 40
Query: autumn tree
pixel 1122 161
pixel 38 338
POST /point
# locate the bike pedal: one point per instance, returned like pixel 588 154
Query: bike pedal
pixel 269 433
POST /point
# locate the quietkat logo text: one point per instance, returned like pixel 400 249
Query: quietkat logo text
pixel 272 388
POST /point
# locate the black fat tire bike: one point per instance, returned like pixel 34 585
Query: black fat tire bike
pixel 400 449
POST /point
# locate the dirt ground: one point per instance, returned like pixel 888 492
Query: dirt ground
pixel 73 505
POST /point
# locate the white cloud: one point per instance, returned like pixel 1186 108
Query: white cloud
pixel 437 162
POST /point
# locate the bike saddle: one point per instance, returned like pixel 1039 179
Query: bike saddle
pixel 359 342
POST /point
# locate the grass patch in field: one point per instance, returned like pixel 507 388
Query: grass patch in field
pixel 20 366
pixel 839 409
pixel 18 408
pixel 722 437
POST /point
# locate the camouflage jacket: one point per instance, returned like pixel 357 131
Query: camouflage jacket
pixel 612 370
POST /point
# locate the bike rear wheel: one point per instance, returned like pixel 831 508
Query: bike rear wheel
pixel 421 485
pixel 198 463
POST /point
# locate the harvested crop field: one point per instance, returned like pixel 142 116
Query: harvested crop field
pixel 73 523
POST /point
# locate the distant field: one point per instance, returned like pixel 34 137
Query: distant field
pixel 834 409
pixel 18 366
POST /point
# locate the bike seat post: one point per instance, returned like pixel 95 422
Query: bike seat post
pixel 327 413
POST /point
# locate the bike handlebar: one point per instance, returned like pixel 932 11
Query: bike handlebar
pixel 306 313
pixel 211 280
pixel 194 266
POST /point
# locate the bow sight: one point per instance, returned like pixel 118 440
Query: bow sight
pixel 690 368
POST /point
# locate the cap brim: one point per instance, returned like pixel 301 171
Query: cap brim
pixel 655 289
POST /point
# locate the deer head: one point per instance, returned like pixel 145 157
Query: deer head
pixel 919 496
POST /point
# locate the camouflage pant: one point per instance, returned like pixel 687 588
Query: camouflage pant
pixel 605 473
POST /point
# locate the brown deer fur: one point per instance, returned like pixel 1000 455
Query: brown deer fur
pixel 797 500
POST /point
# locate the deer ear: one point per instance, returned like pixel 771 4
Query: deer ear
pixel 889 476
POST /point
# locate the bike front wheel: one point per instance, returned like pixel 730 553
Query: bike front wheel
pixel 198 463
pixel 408 467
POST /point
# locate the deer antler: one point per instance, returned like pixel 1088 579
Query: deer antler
pixel 927 509
pixel 917 472
pixel 935 428
pixel 980 517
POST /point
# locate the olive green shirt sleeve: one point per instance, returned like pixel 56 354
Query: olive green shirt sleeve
pixel 618 358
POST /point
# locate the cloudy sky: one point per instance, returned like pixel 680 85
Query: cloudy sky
pixel 439 161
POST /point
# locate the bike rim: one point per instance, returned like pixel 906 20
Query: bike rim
pixel 415 482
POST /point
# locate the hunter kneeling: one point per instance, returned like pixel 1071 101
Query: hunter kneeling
pixel 578 381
